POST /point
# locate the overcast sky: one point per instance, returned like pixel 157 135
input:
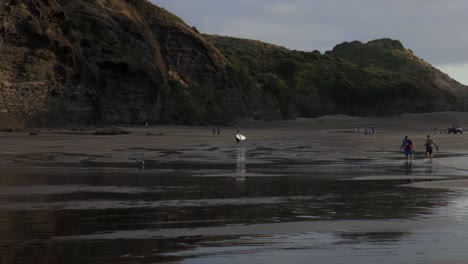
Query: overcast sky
pixel 434 29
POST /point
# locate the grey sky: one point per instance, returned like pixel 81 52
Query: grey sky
pixel 433 29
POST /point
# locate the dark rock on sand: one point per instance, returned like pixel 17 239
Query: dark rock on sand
pixel 110 131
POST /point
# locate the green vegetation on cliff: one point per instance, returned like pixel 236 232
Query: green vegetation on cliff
pixel 380 77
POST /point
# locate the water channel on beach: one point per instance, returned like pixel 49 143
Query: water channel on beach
pixel 265 202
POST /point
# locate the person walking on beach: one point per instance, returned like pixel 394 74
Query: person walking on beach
pixel 428 145
pixel 407 146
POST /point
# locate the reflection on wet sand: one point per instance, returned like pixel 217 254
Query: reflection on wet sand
pixel 199 204
pixel 196 210
pixel 240 164
pixel 424 169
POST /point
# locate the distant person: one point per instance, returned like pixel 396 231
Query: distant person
pixel 429 143
pixel 237 137
pixel 407 147
pixel 146 124
pixel 218 131
pixel 214 131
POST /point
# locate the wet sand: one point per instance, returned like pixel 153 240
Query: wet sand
pixel 191 197
pixel 317 133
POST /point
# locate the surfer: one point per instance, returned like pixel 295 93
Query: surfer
pixel 237 137
pixel 428 145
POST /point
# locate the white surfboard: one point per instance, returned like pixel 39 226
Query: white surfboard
pixel 240 137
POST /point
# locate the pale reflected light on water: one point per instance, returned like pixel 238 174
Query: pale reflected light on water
pixel 240 164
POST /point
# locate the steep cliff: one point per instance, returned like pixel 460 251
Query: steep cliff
pixel 116 61
pixel 38 65
pixel 72 62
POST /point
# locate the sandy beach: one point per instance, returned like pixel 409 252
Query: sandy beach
pixel 312 177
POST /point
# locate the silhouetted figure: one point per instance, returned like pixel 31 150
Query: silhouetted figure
pixel 407 146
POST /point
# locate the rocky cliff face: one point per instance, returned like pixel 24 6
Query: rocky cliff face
pixel 75 61
pixel 38 64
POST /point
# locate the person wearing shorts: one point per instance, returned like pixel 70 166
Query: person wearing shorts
pixel 429 143
pixel 407 146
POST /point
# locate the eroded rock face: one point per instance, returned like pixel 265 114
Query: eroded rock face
pixel 38 67
pixel 105 61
